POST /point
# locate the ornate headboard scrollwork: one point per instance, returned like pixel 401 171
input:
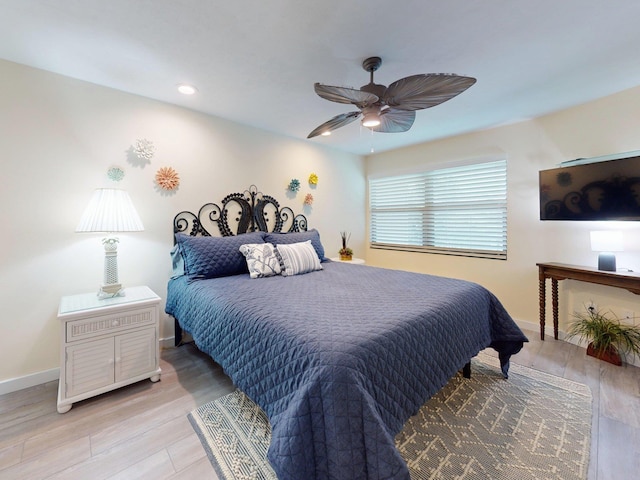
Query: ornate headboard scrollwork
pixel 250 211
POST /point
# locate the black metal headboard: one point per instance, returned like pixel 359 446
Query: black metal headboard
pixel 249 211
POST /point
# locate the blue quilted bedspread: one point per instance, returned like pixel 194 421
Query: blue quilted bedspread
pixel 339 359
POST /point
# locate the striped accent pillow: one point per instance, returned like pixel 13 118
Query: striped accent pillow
pixel 298 258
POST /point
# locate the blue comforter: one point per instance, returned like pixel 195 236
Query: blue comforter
pixel 339 359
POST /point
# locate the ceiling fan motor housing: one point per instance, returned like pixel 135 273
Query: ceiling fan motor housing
pixel 375 88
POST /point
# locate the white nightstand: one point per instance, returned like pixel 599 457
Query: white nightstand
pixel 107 343
pixel 354 260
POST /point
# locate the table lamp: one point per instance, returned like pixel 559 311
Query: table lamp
pixel 606 242
pixel 110 210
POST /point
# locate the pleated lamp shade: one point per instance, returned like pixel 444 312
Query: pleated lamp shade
pixel 110 210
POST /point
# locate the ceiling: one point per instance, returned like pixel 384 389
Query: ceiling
pixel 255 62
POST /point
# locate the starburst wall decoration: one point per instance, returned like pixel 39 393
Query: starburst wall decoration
pixel 115 174
pixel 167 178
pixel 294 185
pixel 308 199
pixel 144 149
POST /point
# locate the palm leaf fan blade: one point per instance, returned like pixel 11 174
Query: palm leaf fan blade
pixel 336 122
pixel 345 95
pixel 395 121
pixel 418 92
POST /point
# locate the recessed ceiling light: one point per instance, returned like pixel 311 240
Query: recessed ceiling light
pixel 187 89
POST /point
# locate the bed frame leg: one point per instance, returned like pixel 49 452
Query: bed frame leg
pixel 466 370
pixel 178 333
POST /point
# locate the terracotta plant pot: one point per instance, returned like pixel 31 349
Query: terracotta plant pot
pixel 610 355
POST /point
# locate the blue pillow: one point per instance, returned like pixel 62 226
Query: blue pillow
pixel 210 257
pixel 297 237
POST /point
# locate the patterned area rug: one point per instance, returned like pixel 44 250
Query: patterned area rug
pixel 532 426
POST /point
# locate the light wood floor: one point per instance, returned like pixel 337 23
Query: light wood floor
pixel 142 431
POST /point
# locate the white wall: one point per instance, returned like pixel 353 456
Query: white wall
pixel 609 125
pixel 59 136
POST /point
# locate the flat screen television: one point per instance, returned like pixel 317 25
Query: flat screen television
pixel 603 190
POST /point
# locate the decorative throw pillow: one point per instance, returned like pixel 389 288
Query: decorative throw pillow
pixel 262 260
pixel 210 257
pixel 298 258
pixel 297 237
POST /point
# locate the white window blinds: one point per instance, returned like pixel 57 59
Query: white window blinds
pixel 458 210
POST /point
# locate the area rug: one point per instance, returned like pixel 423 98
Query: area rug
pixel 531 426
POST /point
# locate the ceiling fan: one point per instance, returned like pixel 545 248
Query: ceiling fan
pixel 390 109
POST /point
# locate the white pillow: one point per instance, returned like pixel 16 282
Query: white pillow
pixel 298 258
pixel 262 259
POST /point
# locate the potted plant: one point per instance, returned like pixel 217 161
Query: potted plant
pixel 345 252
pixel 609 339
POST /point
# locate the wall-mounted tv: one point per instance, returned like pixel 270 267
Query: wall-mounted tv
pixel 603 190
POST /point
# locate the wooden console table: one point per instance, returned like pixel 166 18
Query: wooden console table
pixel 560 271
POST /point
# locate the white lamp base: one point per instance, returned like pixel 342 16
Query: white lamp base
pixel 111 290
pixel 111 287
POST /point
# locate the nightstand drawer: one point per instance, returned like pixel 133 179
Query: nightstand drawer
pixel 94 326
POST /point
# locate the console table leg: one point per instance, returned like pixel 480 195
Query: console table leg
pixel 554 301
pixel 543 300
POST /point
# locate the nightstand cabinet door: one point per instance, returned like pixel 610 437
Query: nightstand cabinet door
pixel 89 366
pixel 135 354
pixel 107 343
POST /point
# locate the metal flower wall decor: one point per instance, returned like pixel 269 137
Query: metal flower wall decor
pixel 294 185
pixel 308 199
pixel 115 173
pixel 144 149
pixel 167 178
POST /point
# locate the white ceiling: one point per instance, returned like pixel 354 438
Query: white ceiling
pixel 255 61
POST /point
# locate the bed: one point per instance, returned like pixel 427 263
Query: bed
pixel 338 357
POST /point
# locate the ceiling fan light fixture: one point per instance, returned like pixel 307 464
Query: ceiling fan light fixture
pixel 370 120
pixel 326 133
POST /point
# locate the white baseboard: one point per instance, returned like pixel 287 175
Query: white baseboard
pixel 19 383
pixel 548 330
pixel 548 333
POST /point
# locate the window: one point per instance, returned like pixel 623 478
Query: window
pixel 459 210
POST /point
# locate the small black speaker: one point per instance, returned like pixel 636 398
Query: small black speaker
pixel 607 262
